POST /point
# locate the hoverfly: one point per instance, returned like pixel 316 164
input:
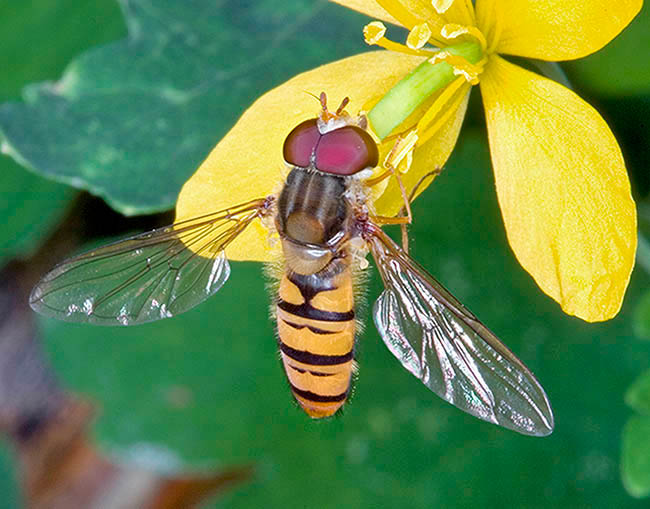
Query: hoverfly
pixel 325 224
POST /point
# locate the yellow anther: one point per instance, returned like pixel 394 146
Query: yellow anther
pixel 461 66
pixel 441 6
pixel 418 36
pixel 453 31
pixel 440 56
pixel 373 32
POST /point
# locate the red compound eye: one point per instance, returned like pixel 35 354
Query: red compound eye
pixel 346 151
pixel 301 143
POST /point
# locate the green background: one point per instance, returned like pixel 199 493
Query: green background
pixel 206 388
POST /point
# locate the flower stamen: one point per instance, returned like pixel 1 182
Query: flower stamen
pixel 437 105
pixel 441 6
pixel 441 110
pixel 432 75
pixel 460 65
pixel 418 36
pixel 453 31
pixel 373 34
pixel 463 10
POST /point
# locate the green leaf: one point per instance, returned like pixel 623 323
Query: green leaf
pixel 207 386
pixel 30 207
pixel 132 120
pixel 40 37
pixel 620 68
pixel 637 395
pixel 643 250
pixel 635 456
pixel 641 317
pixel 8 486
pixel 551 70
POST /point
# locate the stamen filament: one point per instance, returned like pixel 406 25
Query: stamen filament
pixel 401 48
pixel 458 96
pixel 416 87
pixel 437 105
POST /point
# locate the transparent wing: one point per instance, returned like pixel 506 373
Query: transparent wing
pixel 444 345
pixel 148 277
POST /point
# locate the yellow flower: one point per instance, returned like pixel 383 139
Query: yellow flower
pixel 560 177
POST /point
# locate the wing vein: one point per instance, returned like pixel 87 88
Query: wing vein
pixel 443 344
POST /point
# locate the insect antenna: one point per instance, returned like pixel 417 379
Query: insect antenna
pixel 344 103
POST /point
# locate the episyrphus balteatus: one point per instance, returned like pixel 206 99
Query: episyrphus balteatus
pixel 324 220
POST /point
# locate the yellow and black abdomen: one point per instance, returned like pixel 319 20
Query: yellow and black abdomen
pixel 316 329
pixel 315 305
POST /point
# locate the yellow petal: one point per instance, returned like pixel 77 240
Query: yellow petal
pixel 247 163
pixel 368 7
pixel 554 29
pixel 407 13
pixel 430 157
pixel 563 190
